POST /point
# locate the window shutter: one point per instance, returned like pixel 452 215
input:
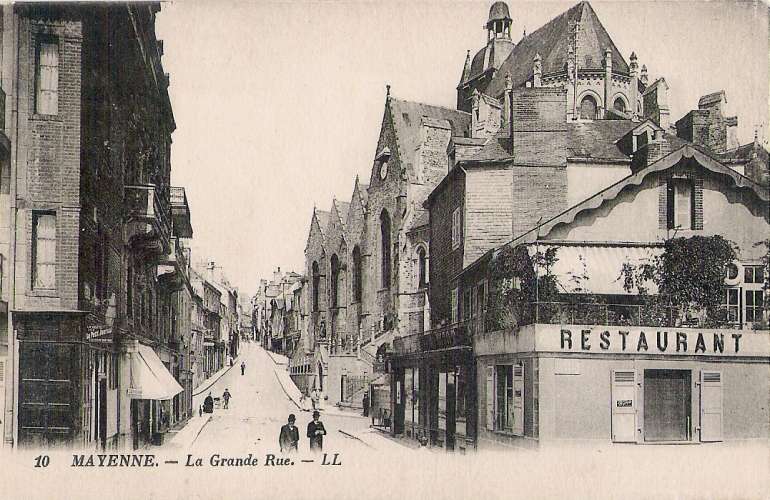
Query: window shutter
pixel 710 405
pixel 491 397
pixel 518 399
pixel 624 406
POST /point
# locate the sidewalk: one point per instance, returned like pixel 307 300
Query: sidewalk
pixel 377 440
pixel 187 435
pixel 278 359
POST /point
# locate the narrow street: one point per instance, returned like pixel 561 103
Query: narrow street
pixel 259 408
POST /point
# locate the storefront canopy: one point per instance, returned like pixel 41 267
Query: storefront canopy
pixel 596 267
pixel 149 378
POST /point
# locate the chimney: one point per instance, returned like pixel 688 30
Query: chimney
pixel 607 79
pixel 732 132
pixel 634 91
pixel 537 70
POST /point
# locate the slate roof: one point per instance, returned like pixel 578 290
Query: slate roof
pixel 550 41
pixel 407 118
pixel 596 139
pixel 342 209
pixel 324 218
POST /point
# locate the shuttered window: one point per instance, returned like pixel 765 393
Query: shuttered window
pixel 710 406
pixel 44 251
pixel 490 398
pixel 47 77
pixel 518 399
pixel 681 204
pixel 623 406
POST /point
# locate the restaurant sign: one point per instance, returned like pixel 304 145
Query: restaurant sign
pixel 639 340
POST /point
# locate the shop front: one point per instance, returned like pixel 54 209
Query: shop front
pixel 553 384
pixel 151 388
pixel 433 389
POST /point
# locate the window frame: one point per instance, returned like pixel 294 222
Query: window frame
pixel 672 203
pixel 35 246
pixel 40 41
pixel 456 228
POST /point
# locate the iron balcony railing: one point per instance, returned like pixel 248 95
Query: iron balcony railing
pixel 145 203
pixel 445 337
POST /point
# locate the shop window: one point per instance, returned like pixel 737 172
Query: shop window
pixel 505 398
pixel 680 213
pixel 44 251
pixel 47 77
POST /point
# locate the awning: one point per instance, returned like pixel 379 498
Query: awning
pixel 149 378
pixel 600 263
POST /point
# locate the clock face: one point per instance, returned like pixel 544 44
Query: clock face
pixel 383 170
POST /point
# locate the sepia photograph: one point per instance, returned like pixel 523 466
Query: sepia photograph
pixel 355 249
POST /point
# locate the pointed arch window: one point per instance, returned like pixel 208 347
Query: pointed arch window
pixel 619 105
pixel 335 263
pixel 385 265
pixel 588 108
pixel 316 285
pixel 422 267
pixel 357 274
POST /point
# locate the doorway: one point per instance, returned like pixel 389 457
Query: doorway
pixel 667 405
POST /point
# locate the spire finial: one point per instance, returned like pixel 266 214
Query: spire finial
pixel 387 90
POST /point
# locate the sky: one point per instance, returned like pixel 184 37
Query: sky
pixel 278 105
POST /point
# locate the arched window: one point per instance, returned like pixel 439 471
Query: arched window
pixel 356 274
pixel 316 285
pixel 619 105
pixel 385 248
pixel 422 267
pixel 588 108
pixel 335 262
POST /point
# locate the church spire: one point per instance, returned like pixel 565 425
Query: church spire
pixel 466 68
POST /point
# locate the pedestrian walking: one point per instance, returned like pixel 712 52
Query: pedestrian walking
pixel 316 432
pixel 289 437
pixel 208 404
pixel 365 403
pixel 226 396
pixel 314 398
pixel 243 367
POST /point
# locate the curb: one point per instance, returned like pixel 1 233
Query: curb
pixel 212 382
pixel 351 436
pixel 200 430
pixel 285 391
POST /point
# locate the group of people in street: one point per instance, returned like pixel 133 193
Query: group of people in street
pixel 288 439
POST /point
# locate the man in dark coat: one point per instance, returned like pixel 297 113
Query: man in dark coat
pixel 289 436
pixel 208 404
pixel 316 432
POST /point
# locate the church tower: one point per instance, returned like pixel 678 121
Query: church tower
pixel 479 71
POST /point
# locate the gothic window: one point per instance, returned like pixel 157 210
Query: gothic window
pixel 619 105
pixel 335 262
pixel 588 108
pixel 316 284
pixel 422 267
pixel 385 248
pixel 356 274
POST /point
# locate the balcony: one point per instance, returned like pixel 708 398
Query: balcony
pixel 446 337
pixel 148 223
pixel 180 213
pixel 172 268
pixel 572 313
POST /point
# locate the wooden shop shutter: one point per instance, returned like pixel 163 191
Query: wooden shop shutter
pixel 491 397
pixel 624 406
pixel 518 399
pixel 710 405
